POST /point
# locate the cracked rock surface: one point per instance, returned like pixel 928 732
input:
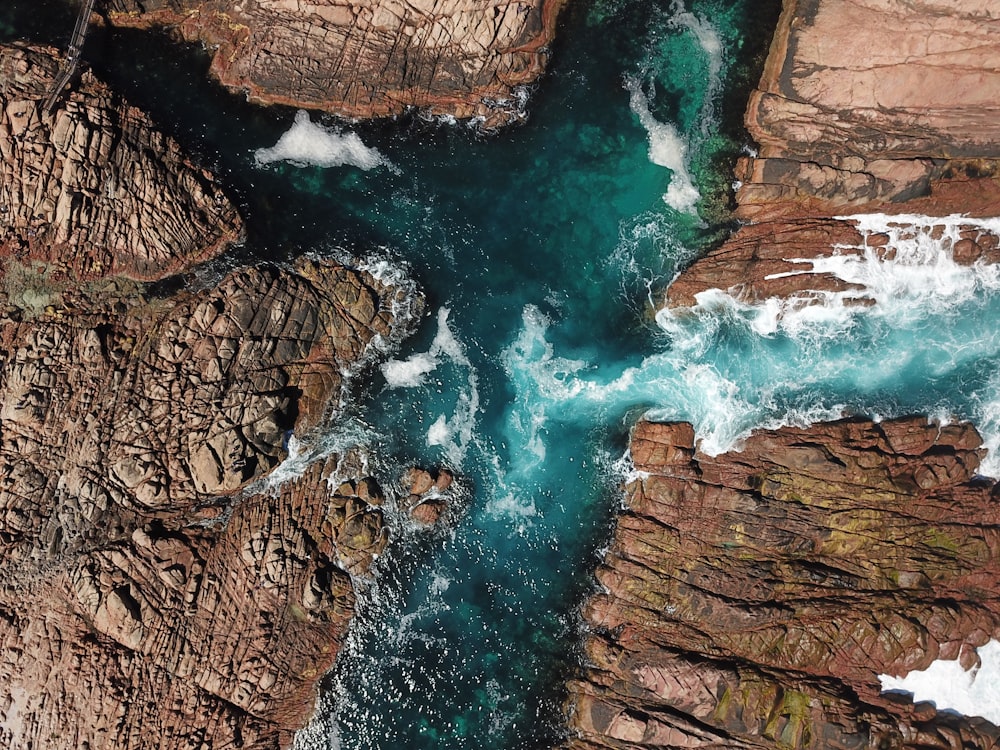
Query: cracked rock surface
pixel 136 600
pixel 867 101
pixel 377 58
pixel 750 599
pixel 852 118
pixel 154 590
pixel 92 188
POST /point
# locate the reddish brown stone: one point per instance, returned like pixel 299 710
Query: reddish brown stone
pixel 846 124
pixel 149 597
pixel 371 58
pixel 431 495
pixel 751 599
pixel 92 189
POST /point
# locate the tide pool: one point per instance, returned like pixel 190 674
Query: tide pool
pixel 540 251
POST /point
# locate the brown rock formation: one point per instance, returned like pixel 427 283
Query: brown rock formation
pixel 773 259
pixel 172 634
pixel 93 189
pixel 871 100
pixel 367 59
pixel 750 600
pixel 143 600
pixel 850 118
pixel 123 588
pixel 430 495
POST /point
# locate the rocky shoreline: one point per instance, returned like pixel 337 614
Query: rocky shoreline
pixel 751 599
pixel 748 600
pixel 145 592
pixel 467 60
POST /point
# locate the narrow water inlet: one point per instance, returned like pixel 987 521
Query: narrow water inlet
pixel 536 249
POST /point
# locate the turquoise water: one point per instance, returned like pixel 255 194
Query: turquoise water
pixel 540 250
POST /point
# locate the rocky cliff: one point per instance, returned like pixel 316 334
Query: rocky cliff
pixel 864 106
pixel 368 59
pixel 750 599
pixel 92 188
pixel 152 590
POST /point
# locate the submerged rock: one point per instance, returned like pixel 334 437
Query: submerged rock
pixel 368 59
pixel 751 599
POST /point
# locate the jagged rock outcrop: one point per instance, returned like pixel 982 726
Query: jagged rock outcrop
pixel 169 632
pixel 430 495
pixel 92 188
pixel 750 600
pixel 368 59
pixel 864 106
pixel 153 591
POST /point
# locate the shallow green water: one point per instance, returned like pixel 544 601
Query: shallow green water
pixel 537 250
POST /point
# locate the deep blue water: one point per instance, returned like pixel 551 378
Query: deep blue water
pixel 540 251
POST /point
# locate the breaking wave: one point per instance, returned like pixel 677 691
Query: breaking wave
pixel 309 144
pixel 975 692
pixel 454 433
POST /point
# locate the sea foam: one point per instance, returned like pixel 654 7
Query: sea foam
pixel 453 434
pixel 310 144
pixel 667 148
pixel 909 274
pixel 951 688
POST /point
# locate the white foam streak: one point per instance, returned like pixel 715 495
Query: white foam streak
pixel 951 688
pixel 453 434
pixel 667 148
pixel 711 45
pixel 987 421
pixel 908 273
pixel 914 272
pixel 346 436
pixel 554 385
pixel 309 144
pixel 410 372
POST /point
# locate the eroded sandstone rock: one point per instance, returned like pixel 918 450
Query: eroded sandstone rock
pixel 866 101
pixel 92 189
pixel 177 634
pixel 149 595
pixel 782 259
pixel 368 59
pixel 430 495
pixel 864 106
pixel 120 437
pixel 750 599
